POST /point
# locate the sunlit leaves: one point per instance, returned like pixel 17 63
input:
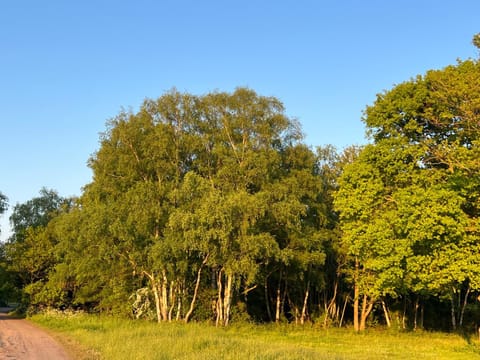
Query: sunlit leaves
pixel 409 201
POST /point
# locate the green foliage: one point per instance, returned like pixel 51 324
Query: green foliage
pixel 8 289
pixel 29 254
pixel 476 40
pixel 211 208
pixel 35 212
pixel 188 192
pixel 3 203
pixel 409 202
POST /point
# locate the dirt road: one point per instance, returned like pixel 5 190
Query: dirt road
pixel 20 340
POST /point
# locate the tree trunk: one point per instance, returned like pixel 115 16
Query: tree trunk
pixel 452 311
pixel 305 302
pixel 267 300
pixel 228 300
pixel 157 300
pixel 387 316
pixel 172 298
pixel 422 313
pixel 278 300
pixel 367 307
pixel 284 297
pixel 464 305
pixel 219 307
pixel 155 289
pixel 331 309
pixel 415 314
pixel 195 292
pixel 343 311
pixel 356 295
pixel 294 308
pixel 179 308
pixel 164 296
pixel 224 299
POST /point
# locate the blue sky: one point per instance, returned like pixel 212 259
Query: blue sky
pixel 66 67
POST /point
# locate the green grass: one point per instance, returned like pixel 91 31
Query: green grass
pixel 96 337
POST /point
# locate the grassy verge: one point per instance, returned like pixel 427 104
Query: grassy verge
pixel 117 339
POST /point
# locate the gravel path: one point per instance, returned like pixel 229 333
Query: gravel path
pixel 20 340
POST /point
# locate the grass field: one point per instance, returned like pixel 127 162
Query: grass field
pixel 94 337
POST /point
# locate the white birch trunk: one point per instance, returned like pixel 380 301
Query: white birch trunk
pixel 164 296
pixel 219 305
pixel 452 309
pixel 157 299
pixel 464 305
pixel 387 316
pixel 195 292
pixel 156 295
pixel 304 308
pixel 279 300
pixel 228 300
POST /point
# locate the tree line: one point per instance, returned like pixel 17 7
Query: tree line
pixel 213 208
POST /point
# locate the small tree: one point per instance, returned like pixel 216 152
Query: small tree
pixel 3 203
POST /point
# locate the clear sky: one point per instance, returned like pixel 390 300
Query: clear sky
pixel 68 66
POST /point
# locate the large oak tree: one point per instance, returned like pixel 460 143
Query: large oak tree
pixel 410 203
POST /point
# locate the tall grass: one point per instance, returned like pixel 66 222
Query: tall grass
pixel 117 339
